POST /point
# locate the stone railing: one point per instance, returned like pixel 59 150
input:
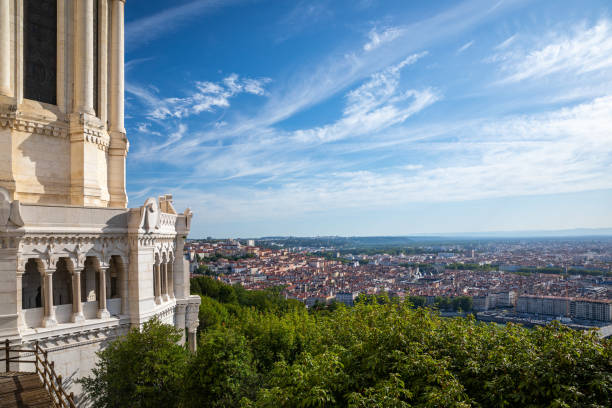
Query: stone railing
pixel 167 221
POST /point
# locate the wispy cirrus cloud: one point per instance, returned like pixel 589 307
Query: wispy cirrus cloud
pixel 340 70
pixel 269 154
pixel 334 73
pixel 561 151
pixel 148 28
pixel 377 104
pixel 376 38
pixel 504 44
pixel 465 46
pixel 304 15
pixel 584 50
pixel 371 122
pixel 206 97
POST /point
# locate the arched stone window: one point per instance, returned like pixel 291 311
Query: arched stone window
pixel 62 284
pixel 89 281
pixel 119 281
pixel 114 280
pixel 117 277
pixel 31 291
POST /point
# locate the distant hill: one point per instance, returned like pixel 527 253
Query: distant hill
pixel 429 239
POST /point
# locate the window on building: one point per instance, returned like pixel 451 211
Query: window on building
pixel 40 50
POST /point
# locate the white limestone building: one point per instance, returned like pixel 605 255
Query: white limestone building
pixel 77 267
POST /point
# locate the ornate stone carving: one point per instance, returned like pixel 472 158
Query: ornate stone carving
pixel 5 207
pixel 78 257
pixel 90 129
pixel 82 337
pixel 21 263
pixel 48 256
pixel 12 121
pixel 150 215
pixel 10 211
pixel 188 216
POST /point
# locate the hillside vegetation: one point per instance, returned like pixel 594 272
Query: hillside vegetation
pixel 258 350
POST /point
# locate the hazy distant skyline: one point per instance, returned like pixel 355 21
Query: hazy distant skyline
pixel 372 118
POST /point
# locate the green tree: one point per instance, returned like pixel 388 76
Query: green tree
pixel 212 313
pixel 259 351
pixel 143 369
pixel 221 373
pixel 417 301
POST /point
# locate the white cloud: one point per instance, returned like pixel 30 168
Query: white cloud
pixel 504 44
pixel 143 127
pixel 377 104
pixel 305 15
pixel 376 39
pixel 147 28
pixel 341 70
pixel 379 88
pixel 586 50
pixel 255 86
pixel 206 98
pixel 563 151
pixel 404 105
pixel 412 167
pixel 252 146
pixel 465 46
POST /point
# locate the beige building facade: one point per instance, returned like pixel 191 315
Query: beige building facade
pixel 77 266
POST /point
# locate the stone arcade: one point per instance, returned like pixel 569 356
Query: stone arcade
pixel 77 267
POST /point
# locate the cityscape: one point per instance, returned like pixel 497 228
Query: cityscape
pixel 309 203
pixel 530 281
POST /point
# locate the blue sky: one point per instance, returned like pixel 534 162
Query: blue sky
pixel 372 117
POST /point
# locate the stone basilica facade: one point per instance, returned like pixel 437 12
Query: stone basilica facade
pixel 77 267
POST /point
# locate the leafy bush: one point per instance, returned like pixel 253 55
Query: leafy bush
pixel 221 372
pixel 142 369
pixel 259 351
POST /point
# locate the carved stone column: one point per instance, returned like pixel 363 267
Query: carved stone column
pixel 102 311
pixel 170 275
pixel 87 188
pixel 125 289
pixel 181 276
pixel 5 48
pixel 117 55
pixel 49 319
pixel 164 276
pixel 83 57
pixel 77 305
pixel 193 339
pixel 19 294
pixel 192 324
pixel 157 284
pixel 118 144
pixel 179 320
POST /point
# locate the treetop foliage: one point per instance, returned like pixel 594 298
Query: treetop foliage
pixel 142 369
pixel 255 351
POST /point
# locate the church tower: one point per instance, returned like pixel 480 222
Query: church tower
pixel 77 267
pixel 61 88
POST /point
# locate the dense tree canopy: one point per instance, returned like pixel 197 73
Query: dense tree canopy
pixel 258 350
pixel 142 369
